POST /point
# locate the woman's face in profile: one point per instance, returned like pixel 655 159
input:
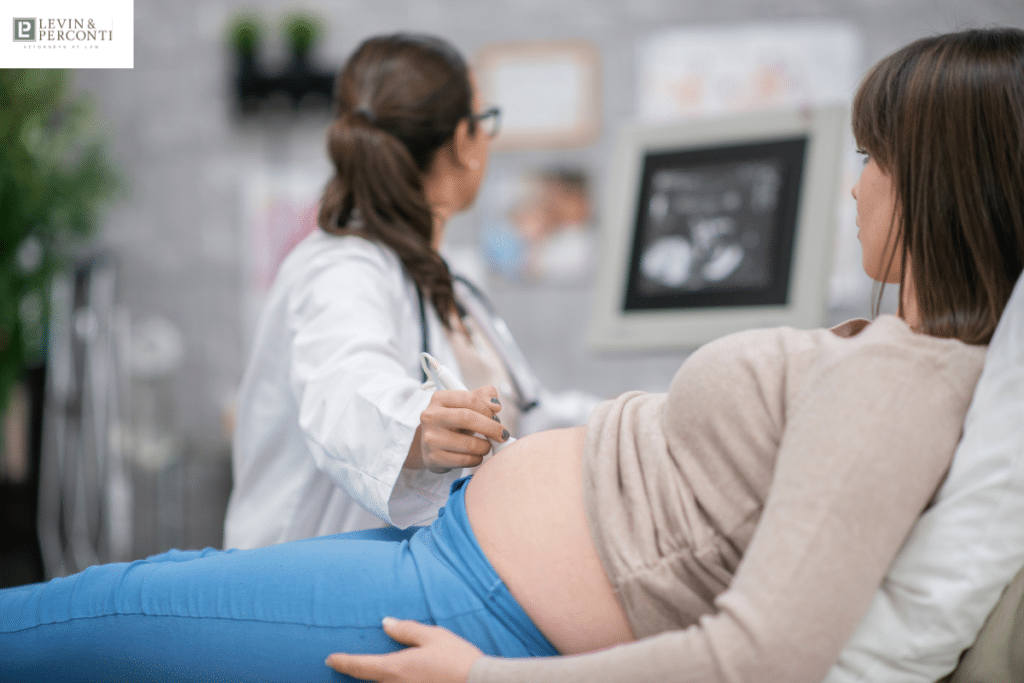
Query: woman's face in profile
pixel 479 150
pixel 876 219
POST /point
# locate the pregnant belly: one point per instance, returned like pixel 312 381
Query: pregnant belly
pixel 525 505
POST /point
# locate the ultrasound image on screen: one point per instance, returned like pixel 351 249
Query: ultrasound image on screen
pixel 715 227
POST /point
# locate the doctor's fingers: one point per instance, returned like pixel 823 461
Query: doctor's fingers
pixel 440 462
pixel 444 450
pixel 489 395
pixel 442 438
pixel 483 400
pixel 461 420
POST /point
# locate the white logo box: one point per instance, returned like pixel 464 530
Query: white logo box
pixel 58 34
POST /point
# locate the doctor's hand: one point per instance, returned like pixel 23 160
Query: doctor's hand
pixel 435 655
pixel 452 427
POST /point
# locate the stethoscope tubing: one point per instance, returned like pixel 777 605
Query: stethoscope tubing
pixel 525 385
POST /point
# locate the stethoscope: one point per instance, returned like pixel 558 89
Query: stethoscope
pixel 524 385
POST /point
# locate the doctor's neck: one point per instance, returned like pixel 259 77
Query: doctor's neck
pixel 441 216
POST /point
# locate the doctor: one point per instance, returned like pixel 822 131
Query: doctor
pixel 334 430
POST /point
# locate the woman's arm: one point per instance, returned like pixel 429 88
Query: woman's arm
pixel 355 378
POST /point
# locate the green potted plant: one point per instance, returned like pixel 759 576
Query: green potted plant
pixel 302 31
pixel 245 35
pixel 55 178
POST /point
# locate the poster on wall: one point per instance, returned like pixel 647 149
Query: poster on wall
pixel 548 92
pixel 537 225
pixel 279 209
pixel 702 71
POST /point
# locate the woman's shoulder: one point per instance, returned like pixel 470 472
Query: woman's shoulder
pixel 856 343
pixel 768 345
pixel 890 331
pixel 888 342
pixel 321 254
pixel 321 249
pixel 323 265
pixel 860 337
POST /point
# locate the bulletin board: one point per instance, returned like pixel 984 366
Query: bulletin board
pixel 548 91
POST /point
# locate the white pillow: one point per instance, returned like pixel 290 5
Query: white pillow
pixel 967 547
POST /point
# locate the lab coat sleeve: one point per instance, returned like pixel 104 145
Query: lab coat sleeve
pixel 355 333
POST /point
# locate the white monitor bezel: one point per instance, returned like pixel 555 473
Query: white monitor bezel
pixel 613 328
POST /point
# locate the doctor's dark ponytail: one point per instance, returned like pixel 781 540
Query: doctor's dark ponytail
pixel 397 101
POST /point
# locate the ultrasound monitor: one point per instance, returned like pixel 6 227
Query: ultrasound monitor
pixel 718 225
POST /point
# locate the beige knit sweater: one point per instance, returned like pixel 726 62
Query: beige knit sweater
pixel 749 515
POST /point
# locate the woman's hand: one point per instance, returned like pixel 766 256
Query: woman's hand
pixel 447 436
pixel 435 655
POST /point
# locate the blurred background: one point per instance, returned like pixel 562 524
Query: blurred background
pixel 206 170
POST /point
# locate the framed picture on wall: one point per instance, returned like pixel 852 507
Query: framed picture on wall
pixel 548 91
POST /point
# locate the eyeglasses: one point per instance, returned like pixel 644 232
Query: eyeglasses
pixel 489 119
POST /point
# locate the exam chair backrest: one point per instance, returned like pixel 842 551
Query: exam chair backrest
pixel 997 655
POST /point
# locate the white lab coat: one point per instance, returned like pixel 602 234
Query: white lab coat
pixel 331 398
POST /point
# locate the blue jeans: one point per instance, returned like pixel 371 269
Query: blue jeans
pixel 270 614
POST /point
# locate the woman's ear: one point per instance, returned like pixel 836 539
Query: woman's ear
pixel 463 147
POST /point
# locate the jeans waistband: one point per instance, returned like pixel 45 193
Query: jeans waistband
pixel 453 542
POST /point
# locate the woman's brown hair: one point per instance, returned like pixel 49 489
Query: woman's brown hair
pixel 944 118
pixel 397 101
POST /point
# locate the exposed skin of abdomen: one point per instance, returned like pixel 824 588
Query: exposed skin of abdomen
pixel 525 505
